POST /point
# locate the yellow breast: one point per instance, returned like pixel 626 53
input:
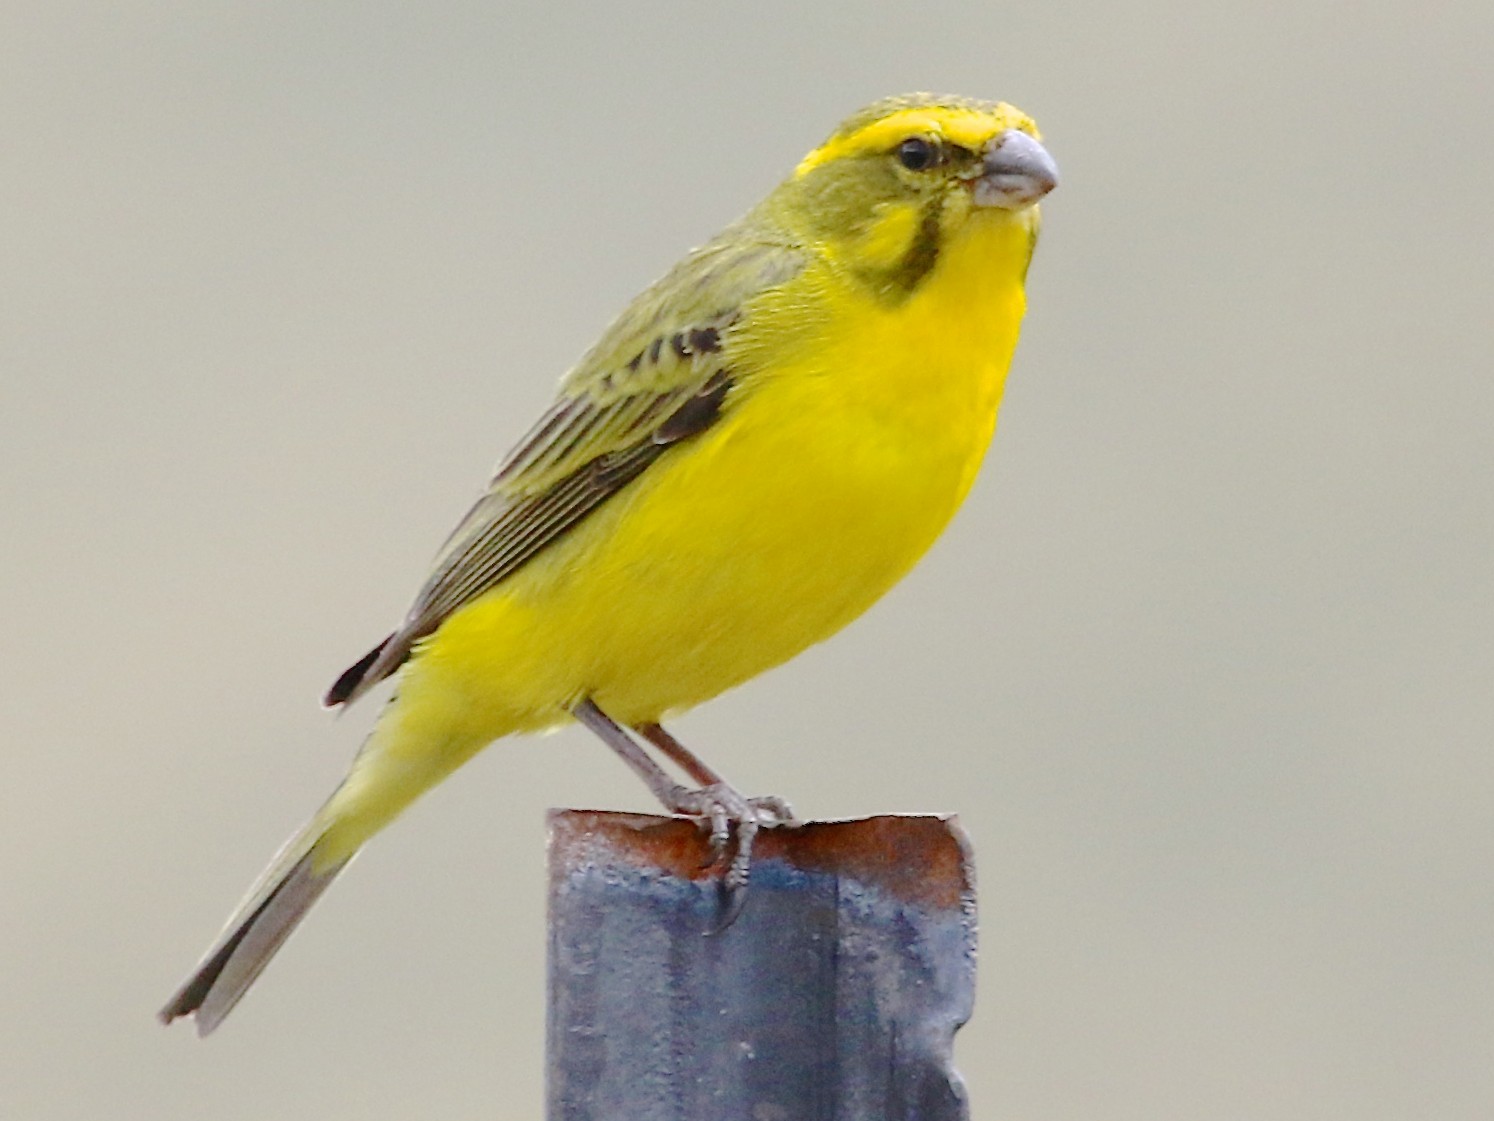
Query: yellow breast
pixel 819 489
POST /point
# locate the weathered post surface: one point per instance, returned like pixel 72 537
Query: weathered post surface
pixel 834 996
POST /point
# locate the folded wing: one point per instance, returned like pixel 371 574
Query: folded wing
pixel 662 373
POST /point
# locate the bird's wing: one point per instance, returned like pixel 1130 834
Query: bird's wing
pixel 661 373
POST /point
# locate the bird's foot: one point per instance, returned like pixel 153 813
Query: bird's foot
pixel 720 807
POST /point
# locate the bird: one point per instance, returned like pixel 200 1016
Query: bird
pixel 764 442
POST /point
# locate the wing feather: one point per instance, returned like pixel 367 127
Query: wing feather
pixel 663 372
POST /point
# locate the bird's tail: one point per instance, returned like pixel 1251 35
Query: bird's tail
pixel 411 748
pixel 275 906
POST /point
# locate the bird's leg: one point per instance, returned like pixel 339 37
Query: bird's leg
pixel 769 810
pixel 687 760
pixel 716 802
pixel 726 804
pixel 616 737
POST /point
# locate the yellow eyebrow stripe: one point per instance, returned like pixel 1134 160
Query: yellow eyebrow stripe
pixel 970 128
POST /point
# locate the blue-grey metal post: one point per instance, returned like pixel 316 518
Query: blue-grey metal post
pixel 834 996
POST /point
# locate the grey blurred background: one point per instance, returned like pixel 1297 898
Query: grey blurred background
pixel 1204 664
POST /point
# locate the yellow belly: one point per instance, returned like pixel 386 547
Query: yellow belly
pixel 816 492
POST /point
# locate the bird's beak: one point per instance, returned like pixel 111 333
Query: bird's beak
pixel 1015 173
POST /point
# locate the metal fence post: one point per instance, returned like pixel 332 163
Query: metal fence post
pixel 834 996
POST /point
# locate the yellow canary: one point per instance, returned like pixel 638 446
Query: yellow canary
pixel 762 444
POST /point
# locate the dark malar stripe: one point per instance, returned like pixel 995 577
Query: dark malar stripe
pixel 922 254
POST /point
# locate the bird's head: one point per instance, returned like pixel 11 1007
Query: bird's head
pixel 897 181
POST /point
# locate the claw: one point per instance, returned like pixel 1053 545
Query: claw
pixel 720 832
pixel 740 869
pixel 720 807
pixel 733 903
pixel 734 883
pixel 772 810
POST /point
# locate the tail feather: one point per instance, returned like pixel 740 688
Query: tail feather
pixel 252 936
pixel 403 757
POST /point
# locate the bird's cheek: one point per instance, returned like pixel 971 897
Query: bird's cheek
pixel 885 239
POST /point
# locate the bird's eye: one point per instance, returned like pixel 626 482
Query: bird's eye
pixel 917 153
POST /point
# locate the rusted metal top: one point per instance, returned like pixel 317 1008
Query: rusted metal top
pixel 834 996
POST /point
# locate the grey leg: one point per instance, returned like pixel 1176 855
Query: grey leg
pixel 687 760
pixel 616 737
pixel 717 803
